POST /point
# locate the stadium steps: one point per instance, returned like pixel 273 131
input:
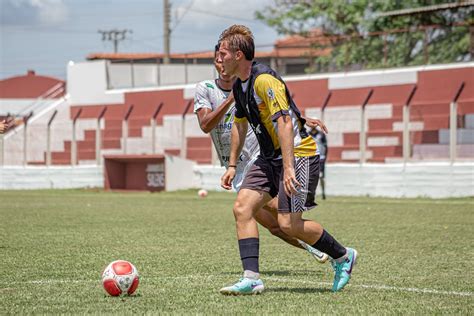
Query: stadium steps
pixel 464 136
pixel 135 126
pixel 199 149
pixel 383 124
pixel 172 152
pixel 441 151
pixel 61 158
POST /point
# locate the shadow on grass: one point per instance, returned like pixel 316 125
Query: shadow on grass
pixel 300 290
pixel 123 297
pixel 274 273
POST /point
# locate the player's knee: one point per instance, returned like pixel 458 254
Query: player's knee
pixel 241 212
pixel 286 228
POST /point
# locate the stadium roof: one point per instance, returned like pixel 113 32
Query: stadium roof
pixel 293 46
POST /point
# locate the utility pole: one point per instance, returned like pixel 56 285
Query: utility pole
pixel 166 30
pixel 114 36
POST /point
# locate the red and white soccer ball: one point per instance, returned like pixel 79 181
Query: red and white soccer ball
pixel 202 193
pixel 120 278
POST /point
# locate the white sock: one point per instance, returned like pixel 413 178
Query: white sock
pixel 251 275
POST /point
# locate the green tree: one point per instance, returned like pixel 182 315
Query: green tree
pixel 360 38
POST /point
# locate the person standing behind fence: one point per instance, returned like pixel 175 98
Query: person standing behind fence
pixel 323 152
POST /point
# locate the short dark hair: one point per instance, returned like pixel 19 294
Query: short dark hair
pixel 240 38
pixel 216 48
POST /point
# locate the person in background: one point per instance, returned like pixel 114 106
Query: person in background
pixel 323 152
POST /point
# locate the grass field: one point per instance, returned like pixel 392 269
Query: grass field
pixel 415 255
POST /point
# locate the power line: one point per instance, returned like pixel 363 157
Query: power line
pixel 178 20
pixel 114 36
pixel 223 16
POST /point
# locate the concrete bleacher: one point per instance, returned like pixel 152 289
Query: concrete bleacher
pixel 429 118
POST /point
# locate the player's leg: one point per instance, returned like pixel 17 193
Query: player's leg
pixel 291 221
pixel 268 218
pixel 257 189
pixel 245 207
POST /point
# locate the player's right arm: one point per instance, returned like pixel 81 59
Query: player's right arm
pixel 208 119
pixel 237 141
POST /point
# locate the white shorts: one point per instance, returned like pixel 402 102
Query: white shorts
pixel 240 174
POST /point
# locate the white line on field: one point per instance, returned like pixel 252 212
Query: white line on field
pixel 380 287
pixel 210 276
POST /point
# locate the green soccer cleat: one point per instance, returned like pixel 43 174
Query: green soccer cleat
pixel 343 270
pixel 245 286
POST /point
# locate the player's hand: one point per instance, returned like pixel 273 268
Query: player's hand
pixel 3 126
pixel 227 178
pixel 290 182
pixel 313 123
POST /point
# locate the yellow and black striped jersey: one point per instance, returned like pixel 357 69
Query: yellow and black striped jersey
pixel 261 100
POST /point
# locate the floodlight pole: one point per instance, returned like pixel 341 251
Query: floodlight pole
pixel 73 142
pixel 48 139
pixel 325 104
pixel 453 112
pixel 25 138
pixel 125 128
pixel 153 127
pixel 183 130
pixel 363 136
pixel 406 126
pixel 98 137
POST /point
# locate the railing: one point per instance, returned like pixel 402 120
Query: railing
pixel 51 93
pixel 124 74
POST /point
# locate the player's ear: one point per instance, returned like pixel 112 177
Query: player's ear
pixel 239 55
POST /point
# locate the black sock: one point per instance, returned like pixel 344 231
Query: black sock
pixel 329 245
pixel 249 253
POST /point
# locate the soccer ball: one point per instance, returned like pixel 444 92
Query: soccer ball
pixel 120 277
pixel 202 193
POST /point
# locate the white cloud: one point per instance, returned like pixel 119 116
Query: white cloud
pixel 50 11
pixel 30 12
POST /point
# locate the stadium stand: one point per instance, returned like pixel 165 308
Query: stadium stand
pixel 127 125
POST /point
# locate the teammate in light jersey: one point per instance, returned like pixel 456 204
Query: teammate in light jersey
pixel 214 106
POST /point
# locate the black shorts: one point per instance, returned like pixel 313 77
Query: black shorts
pixel 307 174
pixel 263 175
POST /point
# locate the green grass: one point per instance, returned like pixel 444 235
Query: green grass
pixel 54 245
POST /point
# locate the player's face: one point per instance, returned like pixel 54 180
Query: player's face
pixel 227 58
pixel 220 69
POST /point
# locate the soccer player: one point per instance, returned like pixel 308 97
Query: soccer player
pixel 214 106
pixel 322 143
pixel 288 164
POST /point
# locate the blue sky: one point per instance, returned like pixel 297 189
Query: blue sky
pixel 44 35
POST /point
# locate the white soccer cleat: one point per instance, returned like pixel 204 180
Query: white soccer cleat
pixel 321 257
pixel 245 286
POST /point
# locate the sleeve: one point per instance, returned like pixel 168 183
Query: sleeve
pixel 201 97
pixel 239 115
pixel 273 93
